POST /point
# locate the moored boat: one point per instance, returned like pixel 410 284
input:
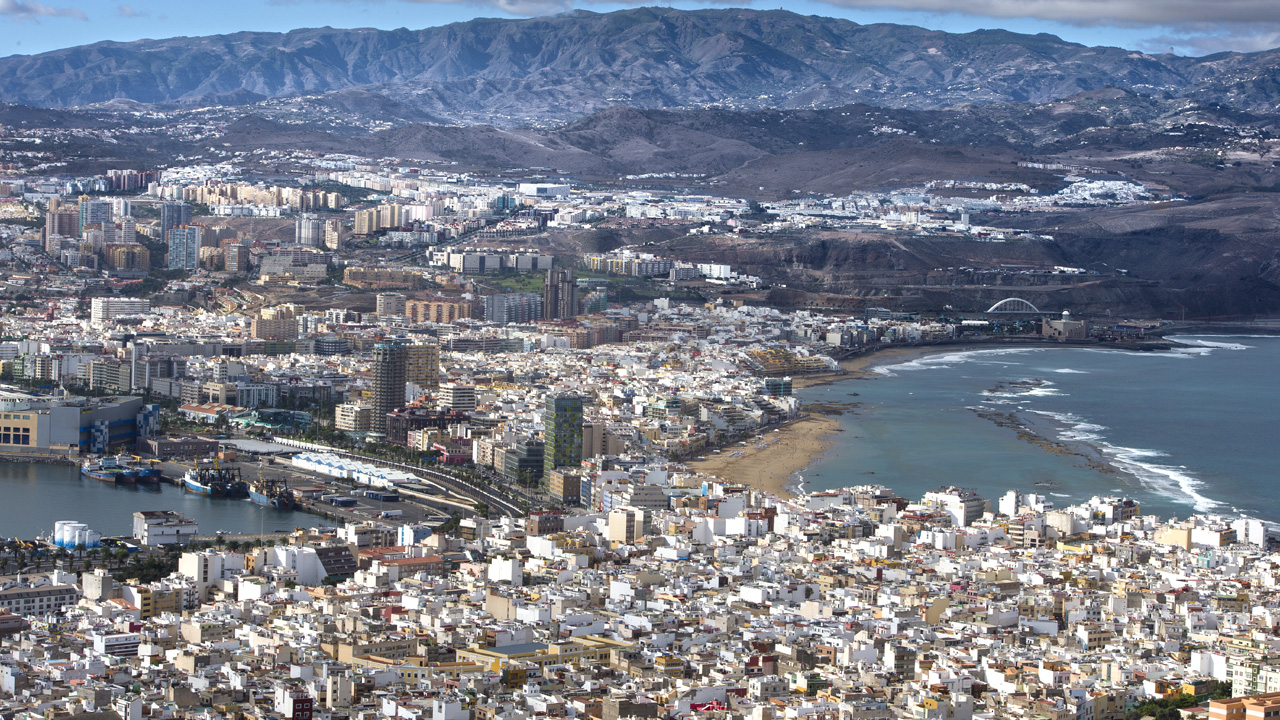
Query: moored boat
pixel 271 493
pixel 109 469
pixel 215 482
pixel 198 482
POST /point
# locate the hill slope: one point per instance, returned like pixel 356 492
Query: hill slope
pixel 511 72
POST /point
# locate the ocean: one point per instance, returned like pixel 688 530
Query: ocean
pixel 1194 429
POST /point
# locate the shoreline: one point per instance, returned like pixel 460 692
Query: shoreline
pixel 811 438
pixel 771 463
pixel 859 367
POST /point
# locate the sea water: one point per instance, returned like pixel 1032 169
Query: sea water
pixel 38 495
pixel 1194 429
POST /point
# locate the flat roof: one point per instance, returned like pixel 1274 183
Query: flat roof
pixel 518 649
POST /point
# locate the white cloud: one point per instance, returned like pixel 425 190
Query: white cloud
pixel 1193 27
pixel 1092 12
pixel 30 10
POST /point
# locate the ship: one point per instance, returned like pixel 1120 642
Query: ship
pixel 147 471
pixel 110 469
pixel 215 482
pixel 271 493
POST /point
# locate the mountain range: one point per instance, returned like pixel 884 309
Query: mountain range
pixel 555 69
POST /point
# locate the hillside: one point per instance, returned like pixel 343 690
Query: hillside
pixel 518 72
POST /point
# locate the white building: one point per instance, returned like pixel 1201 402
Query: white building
pixel 163 527
pixel 103 309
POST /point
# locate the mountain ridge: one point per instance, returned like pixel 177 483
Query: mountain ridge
pixel 560 68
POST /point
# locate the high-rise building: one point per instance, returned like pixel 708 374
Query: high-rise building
pixel 63 222
pixel 563 420
pixel 308 230
pixel 172 215
pixel 390 364
pixel 128 256
pixel 366 222
pixel 524 307
pixel 593 438
pixel 390 304
pixel 121 207
pixel 128 230
pixel 965 506
pixel 94 212
pixel 441 309
pixel 333 234
pixel 422 366
pixel 237 258
pixel 184 247
pixel 629 524
pixel 560 296
pixel 596 301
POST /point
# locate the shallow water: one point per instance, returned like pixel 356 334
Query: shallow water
pixel 1194 429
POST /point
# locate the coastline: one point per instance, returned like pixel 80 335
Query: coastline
pixel 860 366
pixel 802 444
pixel 772 468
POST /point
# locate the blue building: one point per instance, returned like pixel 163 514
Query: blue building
pixel 184 248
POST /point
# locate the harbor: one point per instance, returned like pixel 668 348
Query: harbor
pixel 53 492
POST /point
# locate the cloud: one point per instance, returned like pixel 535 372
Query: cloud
pixel 31 10
pixel 522 8
pixel 126 11
pixel 1206 41
pixel 1091 12
pixel 1191 27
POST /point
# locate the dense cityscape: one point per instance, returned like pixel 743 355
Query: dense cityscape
pixel 503 464
pixel 642 364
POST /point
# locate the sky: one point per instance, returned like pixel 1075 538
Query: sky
pixel 1186 27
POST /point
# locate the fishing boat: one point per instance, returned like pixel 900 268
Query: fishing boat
pixel 215 482
pixel 271 493
pixel 200 483
pixel 109 469
pixel 148 471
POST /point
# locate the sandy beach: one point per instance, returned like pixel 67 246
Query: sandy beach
pixel 784 453
pixel 797 445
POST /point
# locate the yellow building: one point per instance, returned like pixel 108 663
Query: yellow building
pixel 587 650
pixel 422 365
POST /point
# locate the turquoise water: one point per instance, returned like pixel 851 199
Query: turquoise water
pixel 1195 429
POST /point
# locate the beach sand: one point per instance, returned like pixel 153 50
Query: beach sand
pixel 771 468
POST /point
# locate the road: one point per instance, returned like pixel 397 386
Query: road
pixel 365 509
pixel 496 500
